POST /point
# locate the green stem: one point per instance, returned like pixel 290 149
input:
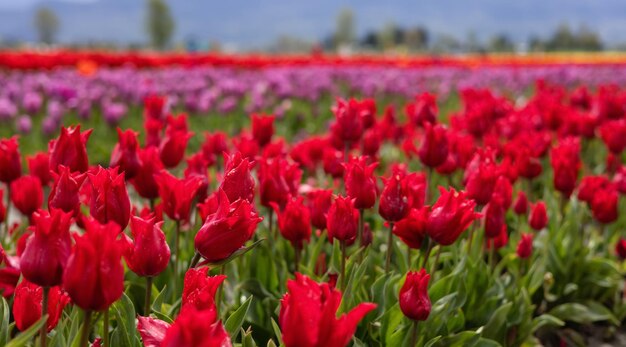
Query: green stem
pixel 428 250
pixel 361 227
pixel 147 308
pixel 343 265
pixel 105 329
pixel 408 257
pixel 389 247
pixel 220 291
pixel 44 310
pixel 297 250
pixel 414 334
pixel 195 260
pixel 434 268
pixel 84 335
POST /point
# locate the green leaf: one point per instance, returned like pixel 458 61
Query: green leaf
pixel 23 338
pixel 234 322
pixel 497 325
pixel 583 314
pixel 246 338
pixel 236 254
pixel 277 333
pixel 462 339
pixel 5 313
pixel 125 316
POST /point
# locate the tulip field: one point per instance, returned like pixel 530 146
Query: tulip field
pixel 311 201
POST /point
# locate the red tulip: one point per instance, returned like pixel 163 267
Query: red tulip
pixel 417 185
pixel 566 164
pixel 308 318
pixel 94 275
pixel 589 185
pixel 172 147
pixel 64 194
pixel 423 110
pixel 208 206
pixel 396 199
pixel 39 166
pixel 480 177
pixel 262 128
pixel 152 331
pixel 360 182
pixel 613 133
pixel 125 153
pixel 525 246
pixel 538 218
pixel 9 276
pixel 620 248
pixel 27 305
pixel 246 145
pixel 148 253
pixel 498 241
pixel 10 160
pixel 177 194
pixel 412 229
pixel 214 146
pixel 27 194
pixel 348 125
pixel 199 289
pixel 153 129
pixel 154 107
pixel 3 209
pixel 144 181
pixel 294 222
pixel 238 182
pixel 333 162
pixel 227 230
pixel 196 328
pixel 109 198
pixel 319 202
pixel 604 205
pixel 619 179
pixel 450 216
pixel 197 166
pixel 70 150
pixel 521 203
pixel 494 216
pixel 277 180
pixel 47 249
pixel 371 142
pixel 413 298
pixel 343 220
pixel 503 190
pixel 434 149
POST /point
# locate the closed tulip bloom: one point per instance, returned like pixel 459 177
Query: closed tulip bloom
pixel 227 230
pixel 144 181
pixel 27 303
pixel 172 147
pixel 361 183
pixel 109 198
pixel 308 312
pixel 47 249
pixel 613 134
pixel 503 190
pixel 294 222
pixel 480 177
pixel 148 253
pixel 343 220
pixel 10 160
pixel 565 160
pixel 423 110
pixel 395 199
pixel 214 145
pixel 494 214
pixel 94 275
pixel 196 328
pixel 525 246
pixel 154 107
pixel 177 194
pixel 499 241
pixel 521 203
pixel 208 206
pixel 238 182
pixel 262 128
pixel 39 166
pixel 27 194
pixel 332 161
pixel 589 185
pixel 64 194
pixel 319 202
pixel 412 229
pixel 620 248
pixel 434 149
pixel 416 183
pixel 451 215
pixel 538 218
pixel 151 330
pixel 199 289
pixel 604 205
pixel 275 183
pixel 70 150
pixel 413 298
pixel 348 126
pixel 125 153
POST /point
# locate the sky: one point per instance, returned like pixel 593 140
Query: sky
pixel 257 23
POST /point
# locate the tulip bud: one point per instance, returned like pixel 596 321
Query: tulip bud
pixel 226 230
pixel 94 275
pixel 319 202
pixel 604 205
pixel 148 253
pixel 395 200
pixel 361 183
pixel 262 128
pixel 172 147
pixel 294 222
pixel 451 215
pixel 199 289
pixel 27 194
pixel 277 180
pixel 125 153
pixel 413 298
pixel 525 246
pixel 343 220
pixel 47 249
pixel 144 181
pixel 70 150
pixel 39 166
pixel 494 217
pixel 348 125
pixel 565 160
pixel 177 194
pixel 10 160
pixel 521 204
pixel 434 149
pixel 196 328
pixel 412 229
pixel 538 218
pixel 64 194
pixel 238 182
pixel 109 198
